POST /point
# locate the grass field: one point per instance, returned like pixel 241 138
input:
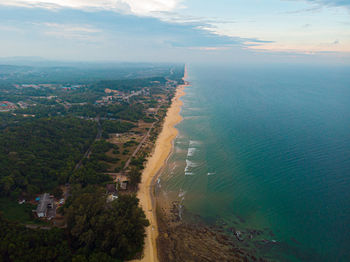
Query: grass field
pixel 13 211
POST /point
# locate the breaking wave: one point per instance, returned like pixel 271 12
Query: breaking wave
pixel 195 143
pixel 191 151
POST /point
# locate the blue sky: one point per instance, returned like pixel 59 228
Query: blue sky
pixel 177 30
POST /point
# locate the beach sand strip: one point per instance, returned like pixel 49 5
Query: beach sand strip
pixel 161 152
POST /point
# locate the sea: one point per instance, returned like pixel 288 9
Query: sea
pixel 265 151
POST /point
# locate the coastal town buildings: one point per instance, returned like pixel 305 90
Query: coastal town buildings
pixel 7 106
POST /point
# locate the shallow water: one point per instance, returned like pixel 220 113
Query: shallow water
pixel 268 149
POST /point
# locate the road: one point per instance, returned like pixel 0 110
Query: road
pixel 88 152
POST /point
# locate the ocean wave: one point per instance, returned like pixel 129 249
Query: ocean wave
pixel 191 151
pixel 195 143
pixel 179 150
pixel 194 108
pixel 191 117
pixel 189 164
pixel 174 166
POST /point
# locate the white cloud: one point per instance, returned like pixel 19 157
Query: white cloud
pixel 72 28
pixel 138 7
pixel 70 31
pixel 149 6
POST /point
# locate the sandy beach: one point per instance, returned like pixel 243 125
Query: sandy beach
pixel 161 152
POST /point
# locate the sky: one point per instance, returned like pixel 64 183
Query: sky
pixel 316 31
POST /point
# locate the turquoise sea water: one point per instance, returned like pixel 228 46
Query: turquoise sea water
pixel 268 149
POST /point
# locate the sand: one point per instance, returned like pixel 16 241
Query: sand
pixel 161 152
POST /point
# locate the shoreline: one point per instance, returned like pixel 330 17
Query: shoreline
pixel 161 153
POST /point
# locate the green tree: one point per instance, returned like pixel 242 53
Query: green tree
pixel 57 192
pixel 116 228
pixel 134 177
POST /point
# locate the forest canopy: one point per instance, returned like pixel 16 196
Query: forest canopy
pixel 116 228
pixel 39 154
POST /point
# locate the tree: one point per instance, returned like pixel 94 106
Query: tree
pixel 57 192
pixel 116 228
pixel 18 243
pixel 134 177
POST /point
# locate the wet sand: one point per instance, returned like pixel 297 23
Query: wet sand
pixel 161 152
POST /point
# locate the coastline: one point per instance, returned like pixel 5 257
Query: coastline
pixel 162 150
pixel 179 235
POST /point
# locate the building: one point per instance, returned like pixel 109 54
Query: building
pixel 124 185
pixel 22 104
pixel 45 205
pixel 151 111
pixel 7 106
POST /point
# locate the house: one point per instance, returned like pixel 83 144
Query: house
pixel 7 106
pixel 124 185
pixel 151 111
pixel 122 181
pixel 45 205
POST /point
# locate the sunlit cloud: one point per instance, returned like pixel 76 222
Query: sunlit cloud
pixel 333 47
pixel 70 31
pixel 138 7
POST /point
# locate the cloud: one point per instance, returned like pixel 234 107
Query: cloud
pixel 151 6
pixel 112 28
pixel 178 30
pixel 138 7
pixel 318 5
pixel 70 31
pixel 72 28
pixel 165 10
pixel 119 27
pixel 344 3
pixel 313 9
pixel 209 48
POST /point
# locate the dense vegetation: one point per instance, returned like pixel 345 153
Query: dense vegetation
pixel 131 112
pixel 18 243
pixel 115 228
pixel 128 85
pixel 97 231
pixel 58 136
pixel 112 127
pixel 11 210
pixel 39 154
pixel 43 110
pixel 76 73
pixel 91 173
